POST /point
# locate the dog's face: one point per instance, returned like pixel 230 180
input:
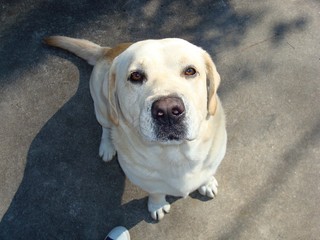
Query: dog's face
pixel 163 89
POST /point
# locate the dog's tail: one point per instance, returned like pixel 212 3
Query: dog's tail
pixel 85 49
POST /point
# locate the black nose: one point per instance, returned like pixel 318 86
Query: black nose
pixel 168 110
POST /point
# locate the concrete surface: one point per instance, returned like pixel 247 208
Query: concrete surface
pixel 53 184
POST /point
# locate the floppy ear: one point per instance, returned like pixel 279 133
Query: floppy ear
pixel 112 96
pixel 213 82
pixel 110 85
pixel 104 96
pixel 103 88
pixel 100 92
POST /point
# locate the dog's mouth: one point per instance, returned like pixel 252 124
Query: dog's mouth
pixel 173 137
pixel 173 133
pixel 169 135
pixel 170 139
pixel 173 140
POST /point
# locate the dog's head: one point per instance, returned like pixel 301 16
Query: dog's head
pixel 163 89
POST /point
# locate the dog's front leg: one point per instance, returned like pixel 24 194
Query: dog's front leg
pixel 210 189
pixel 106 149
pixel 158 206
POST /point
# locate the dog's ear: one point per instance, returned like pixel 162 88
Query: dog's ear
pixel 110 84
pixel 213 82
pixel 103 89
pixel 104 103
pixel 99 92
pixel 112 96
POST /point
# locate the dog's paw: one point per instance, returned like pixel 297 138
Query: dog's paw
pixel 158 206
pixel 106 150
pixel 210 189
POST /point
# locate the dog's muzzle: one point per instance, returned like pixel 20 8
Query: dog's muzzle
pixel 168 114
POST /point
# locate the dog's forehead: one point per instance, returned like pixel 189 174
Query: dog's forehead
pixel 168 49
pixel 163 44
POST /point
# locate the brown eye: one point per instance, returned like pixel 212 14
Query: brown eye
pixel 137 77
pixel 190 71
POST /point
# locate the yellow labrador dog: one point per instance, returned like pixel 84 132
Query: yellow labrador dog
pixel 157 103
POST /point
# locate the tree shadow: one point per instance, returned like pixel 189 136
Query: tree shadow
pixel 211 24
pixel 284 28
pixel 33 20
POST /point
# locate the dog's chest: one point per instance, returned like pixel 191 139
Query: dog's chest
pixel 176 170
pixel 170 169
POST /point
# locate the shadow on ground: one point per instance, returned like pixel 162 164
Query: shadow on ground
pixel 67 192
pixel 211 24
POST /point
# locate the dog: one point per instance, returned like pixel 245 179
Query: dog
pixel 157 103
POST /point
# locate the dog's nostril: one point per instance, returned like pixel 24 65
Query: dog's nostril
pixel 176 111
pixel 160 113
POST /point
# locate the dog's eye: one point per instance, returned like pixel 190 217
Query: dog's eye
pixel 137 77
pixel 190 71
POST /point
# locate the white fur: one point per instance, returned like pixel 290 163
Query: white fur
pixel 124 110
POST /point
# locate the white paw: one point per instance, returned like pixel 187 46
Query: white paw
pixel 106 150
pixel 210 189
pixel 158 208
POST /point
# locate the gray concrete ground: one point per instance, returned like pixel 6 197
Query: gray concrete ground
pixel 53 185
